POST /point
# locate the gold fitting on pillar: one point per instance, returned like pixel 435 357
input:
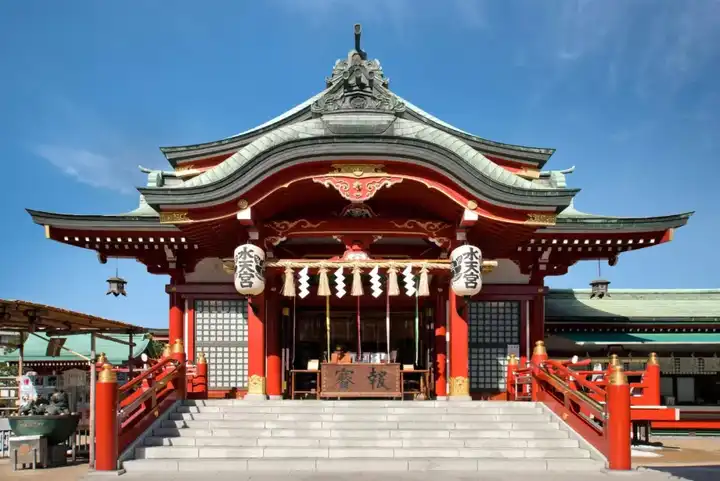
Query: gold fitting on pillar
pixel 653 359
pixel 617 376
pixel 102 358
pixel 201 358
pixel 540 349
pixel 178 347
pixel 166 351
pixel 286 311
pixel 459 386
pixel 512 360
pixel 614 360
pixel 107 375
pixel 256 384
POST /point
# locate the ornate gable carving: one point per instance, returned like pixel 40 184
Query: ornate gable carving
pixel 357 84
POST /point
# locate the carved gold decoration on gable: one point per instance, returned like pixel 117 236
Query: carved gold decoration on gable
pixel 183 168
pixel 174 217
pixel 541 219
pixel 358 170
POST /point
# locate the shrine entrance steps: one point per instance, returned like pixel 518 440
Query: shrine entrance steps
pixel 360 436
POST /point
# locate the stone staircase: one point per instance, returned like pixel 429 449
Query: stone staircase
pixel 360 436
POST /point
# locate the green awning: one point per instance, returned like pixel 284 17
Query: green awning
pixel 36 349
pixel 599 338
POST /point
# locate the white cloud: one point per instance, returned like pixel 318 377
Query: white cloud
pixel 90 168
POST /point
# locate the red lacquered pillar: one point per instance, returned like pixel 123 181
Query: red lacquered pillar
pixel 539 357
pixel 177 312
pixel 618 425
pixel 537 317
pixel 512 365
pixel 256 348
pixel 274 359
pixel 106 427
pixel 178 353
pixel 201 377
pixel 440 346
pixel 459 379
pixel 652 380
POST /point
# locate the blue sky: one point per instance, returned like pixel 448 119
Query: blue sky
pixel 626 91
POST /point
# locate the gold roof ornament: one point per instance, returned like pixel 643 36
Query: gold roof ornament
pixel 617 376
pixel 201 358
pixel 539 349
pixel 178 347
pixel 653 359
pixel 107 375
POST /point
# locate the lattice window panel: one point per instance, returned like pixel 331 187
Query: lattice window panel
pixel 221 332
pixel 493 326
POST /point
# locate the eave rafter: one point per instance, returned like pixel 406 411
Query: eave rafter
pixel 553 253
pixel 437 232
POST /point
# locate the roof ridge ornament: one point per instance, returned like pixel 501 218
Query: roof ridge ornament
pixel 357 84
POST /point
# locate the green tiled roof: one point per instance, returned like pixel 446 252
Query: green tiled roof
pixel 36 349
pixel 634 304
pixel 582 338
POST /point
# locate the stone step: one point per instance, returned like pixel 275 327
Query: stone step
pixel 222 452
pixel 433 417
pixel 368 425
pixel 358 465
pixel 363 443
pixel 354 403
pixel 301 409
pixel 363 433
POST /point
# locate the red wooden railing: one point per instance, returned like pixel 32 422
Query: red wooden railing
pixel 123 413
pixel 600 414
pixel 601 406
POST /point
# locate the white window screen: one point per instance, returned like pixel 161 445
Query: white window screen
pixel 221 332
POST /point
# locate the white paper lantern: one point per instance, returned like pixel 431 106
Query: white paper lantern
pixel 466 265
pixel 249 269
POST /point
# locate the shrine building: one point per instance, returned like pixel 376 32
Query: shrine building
pixel 358 221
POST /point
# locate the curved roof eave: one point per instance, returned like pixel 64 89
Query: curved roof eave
pixel 173 152
pixel 99 222
pixel 401 139
pixel 576 221
pixel 536 155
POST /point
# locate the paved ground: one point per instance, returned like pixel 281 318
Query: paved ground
pixel 65 473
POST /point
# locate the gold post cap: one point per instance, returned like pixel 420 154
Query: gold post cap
pixel 102 358
pixel 178 347
pixel 167 351
pixel 540 349
pixel 614 360
pixel 107 375
pixel 653 359
pixel 617 376
pixel 512 360
pixel 201 358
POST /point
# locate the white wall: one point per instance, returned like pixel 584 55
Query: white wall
pixel 209 269
pixel 507 272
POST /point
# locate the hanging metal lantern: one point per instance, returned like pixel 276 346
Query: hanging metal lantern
pixel 249 269
pixel 466 265
pixel 116 286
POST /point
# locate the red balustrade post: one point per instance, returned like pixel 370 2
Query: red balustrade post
pixel 618 422
pixel 539 357
pixel 178 353
pixel 652 380
pixel 106 424
pixel 512 366
pixel 201 377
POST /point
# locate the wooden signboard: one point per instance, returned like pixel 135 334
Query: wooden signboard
pixel 361 380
